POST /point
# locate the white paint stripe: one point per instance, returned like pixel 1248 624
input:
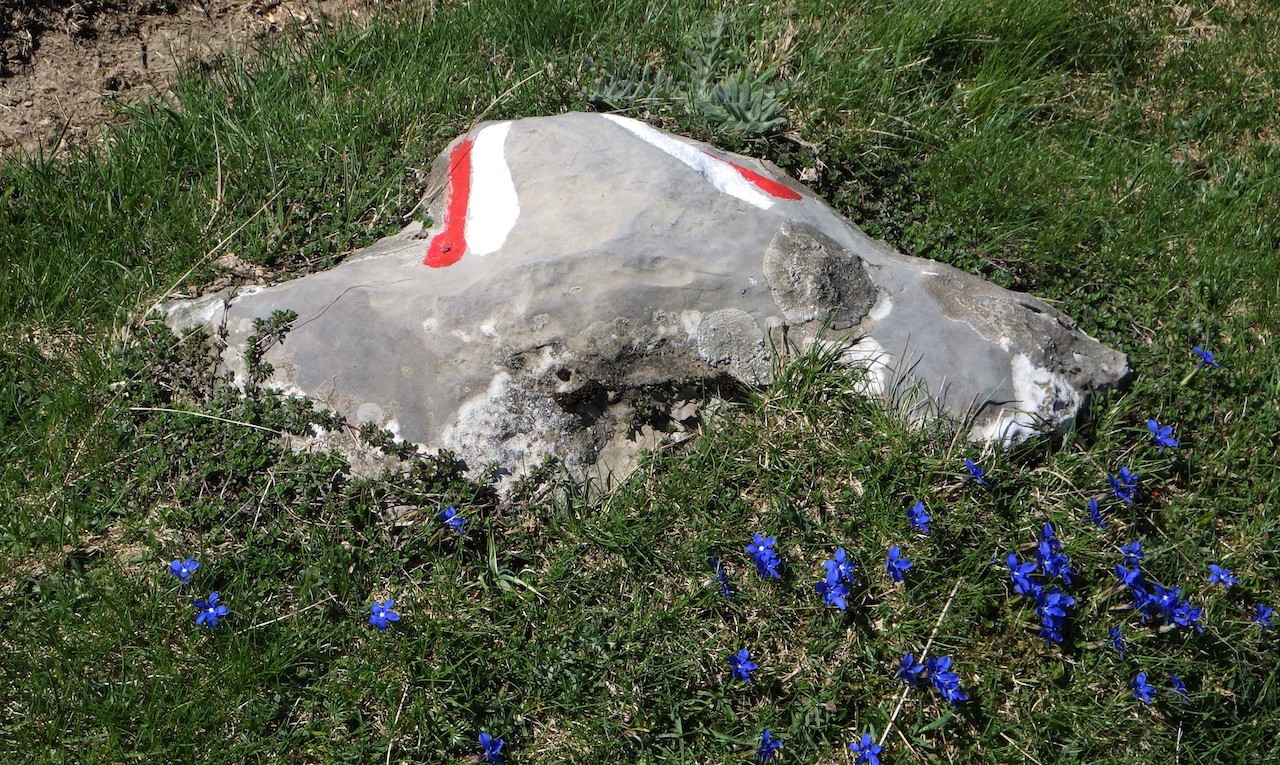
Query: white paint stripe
pixel 718 173
pixel 494 207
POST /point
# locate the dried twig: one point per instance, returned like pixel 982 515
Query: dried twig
pixel 207 417
pixel 929 644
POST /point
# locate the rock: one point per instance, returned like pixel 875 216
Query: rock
pixel 577 259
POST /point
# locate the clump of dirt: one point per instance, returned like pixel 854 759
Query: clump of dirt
pixel 63 63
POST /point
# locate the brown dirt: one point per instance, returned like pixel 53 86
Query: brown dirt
pixel 63 64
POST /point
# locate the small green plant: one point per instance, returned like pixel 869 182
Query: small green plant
pixel 718 83
pixel 617 86
pixel 266 333
pixel 723 87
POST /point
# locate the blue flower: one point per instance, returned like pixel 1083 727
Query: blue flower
pixel 1051 607
pixel 840 567
pixel 868 751
pixel 453 520
pixel 946 681
pixel 1133 553
pixel 742 665
pixel 1163 436
pixel 722 578
pixel 184 568
pixel 1116 637
pixel 491 748
pixel 1185 615
pixel 919 517
pixel 1053 562
pixel 381 615
pixel 769 747
pixel 976 472
pixel 1220 575
pixel 1020 574
pixel 1095 515
pixel 766 560
pixel 209 611
pixel 833 593
pixel 896 565
pixel 909 670
pixel 1153 600
pixel 1141 689
pixel 1131 577
pixel 1124 485
pixel 1206 357
pixel 1262 615
pixel 1179 688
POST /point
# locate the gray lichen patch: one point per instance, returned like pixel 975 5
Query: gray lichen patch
pixel 1041 333
pixel 732 338
pixel 814 279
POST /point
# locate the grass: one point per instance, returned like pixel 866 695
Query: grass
pixel 1117 158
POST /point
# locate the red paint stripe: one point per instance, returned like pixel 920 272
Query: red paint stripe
pixel 767 185
pixel 447 246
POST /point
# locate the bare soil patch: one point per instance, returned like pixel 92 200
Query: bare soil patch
pixel 65 64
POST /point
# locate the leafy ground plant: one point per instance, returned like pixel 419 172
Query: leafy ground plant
pixel 1103 596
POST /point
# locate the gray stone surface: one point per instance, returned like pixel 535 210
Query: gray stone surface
pixel 600 256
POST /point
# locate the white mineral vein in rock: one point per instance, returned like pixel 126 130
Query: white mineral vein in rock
pixel 875 360
pixel 1038 391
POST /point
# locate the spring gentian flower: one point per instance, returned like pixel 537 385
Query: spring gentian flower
pixel 453 520
pixel 909 670
pixel 1163 436
pixel 868 751
pixel 722 578
pixel 184 568
pixel 1179 688
pixel 210 611
pixel 946 681
pixel 1168 604
pixel 1157 601
pixel 1116 637
pixel 1220 575
pixel 1206 360
pixel 1141 689
pixel 833 593
pixel 1262 615
pixel 1051 607
pixel 976 472
pixel 839 567
pixel 919 517
pixel 766 560
pixel 769 747
pixel 1130 577
pixel 1185 615
pixel 491 748
pixel 381 615
pixel 1053 562
pixel 1020 574
pixel 742 665
pixel 1095 514
pixel 896 565
pixel 1124 485
pixel 1133 553
pixel 1206 357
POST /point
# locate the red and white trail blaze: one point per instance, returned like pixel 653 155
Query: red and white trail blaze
pixel 478 170
pixel 446 248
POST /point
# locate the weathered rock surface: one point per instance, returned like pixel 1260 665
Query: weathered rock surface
pixel 579 257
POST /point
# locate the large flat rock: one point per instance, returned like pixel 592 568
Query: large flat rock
pixel 575 258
